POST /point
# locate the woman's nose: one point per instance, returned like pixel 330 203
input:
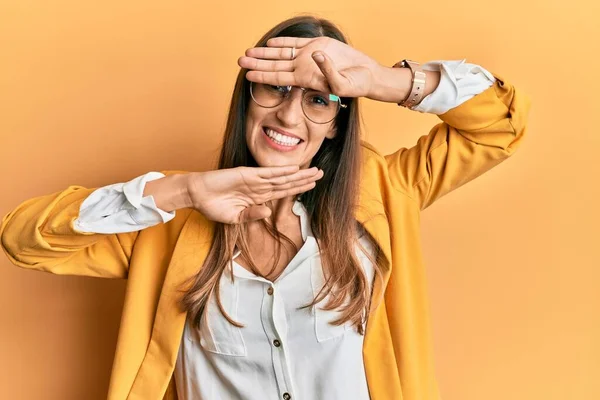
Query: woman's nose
pixel 290 110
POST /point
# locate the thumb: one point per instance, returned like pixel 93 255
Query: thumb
pixel 253 213
pixel 326 66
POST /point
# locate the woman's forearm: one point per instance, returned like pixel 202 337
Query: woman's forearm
pixel 170 193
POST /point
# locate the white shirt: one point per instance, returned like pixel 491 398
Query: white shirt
pixel 312 359
pixel 281 348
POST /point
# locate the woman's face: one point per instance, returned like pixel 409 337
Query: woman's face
pixel 283 135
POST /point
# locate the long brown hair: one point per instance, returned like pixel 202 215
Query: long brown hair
pixel 330 205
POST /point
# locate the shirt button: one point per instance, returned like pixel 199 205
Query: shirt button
pixel 270 291
pixel 287 396
pixel 277 343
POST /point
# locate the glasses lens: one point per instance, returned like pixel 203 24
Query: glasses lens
pixel 317 106
pixel 267 95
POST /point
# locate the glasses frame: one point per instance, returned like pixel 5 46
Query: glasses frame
pixel 304 90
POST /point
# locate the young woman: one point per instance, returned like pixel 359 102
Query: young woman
pixel 294 270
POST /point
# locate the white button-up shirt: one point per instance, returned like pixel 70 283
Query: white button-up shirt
pixel 282 352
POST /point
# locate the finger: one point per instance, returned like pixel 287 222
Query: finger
pixel 265 65
pixel 270 53
pixel 280 194
pixel 325 64
pixel 298 183
pixel 286 182
pixel 302 174
pixel 286 41
pixel 272 78
pixel 254 213
pixel 271 172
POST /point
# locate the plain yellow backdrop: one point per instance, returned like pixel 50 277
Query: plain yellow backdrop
pixel 93 93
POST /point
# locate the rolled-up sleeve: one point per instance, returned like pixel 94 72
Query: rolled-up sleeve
pixel 459 82
pixel 121 207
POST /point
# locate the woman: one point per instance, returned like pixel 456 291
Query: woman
pixel 239 288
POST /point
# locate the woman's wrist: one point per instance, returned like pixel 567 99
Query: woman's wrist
pixel 393 85
pixel 170 193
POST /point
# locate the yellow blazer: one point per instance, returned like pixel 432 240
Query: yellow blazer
pixel 398 354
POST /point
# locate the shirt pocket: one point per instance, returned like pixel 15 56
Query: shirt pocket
pixel 322 318
pixel 217 335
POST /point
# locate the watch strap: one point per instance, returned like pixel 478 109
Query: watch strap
pixel 418 83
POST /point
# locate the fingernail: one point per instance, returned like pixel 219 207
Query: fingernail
pixel 318 57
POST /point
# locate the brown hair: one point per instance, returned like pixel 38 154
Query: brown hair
pixel 330 205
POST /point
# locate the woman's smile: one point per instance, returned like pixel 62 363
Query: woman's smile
pixel 280 142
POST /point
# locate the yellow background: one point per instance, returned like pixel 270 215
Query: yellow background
pixel 93 93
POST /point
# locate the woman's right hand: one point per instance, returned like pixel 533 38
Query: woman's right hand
pixel 237 195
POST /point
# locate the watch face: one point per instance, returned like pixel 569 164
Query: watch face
pixel 404 64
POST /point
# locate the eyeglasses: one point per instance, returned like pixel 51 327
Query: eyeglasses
pixel 318 107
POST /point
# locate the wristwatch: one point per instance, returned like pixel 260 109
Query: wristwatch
pixel 418 83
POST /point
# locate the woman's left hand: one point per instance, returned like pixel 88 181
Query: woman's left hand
pixel 344 71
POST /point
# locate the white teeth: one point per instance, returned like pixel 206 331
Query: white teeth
pixel 281 139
